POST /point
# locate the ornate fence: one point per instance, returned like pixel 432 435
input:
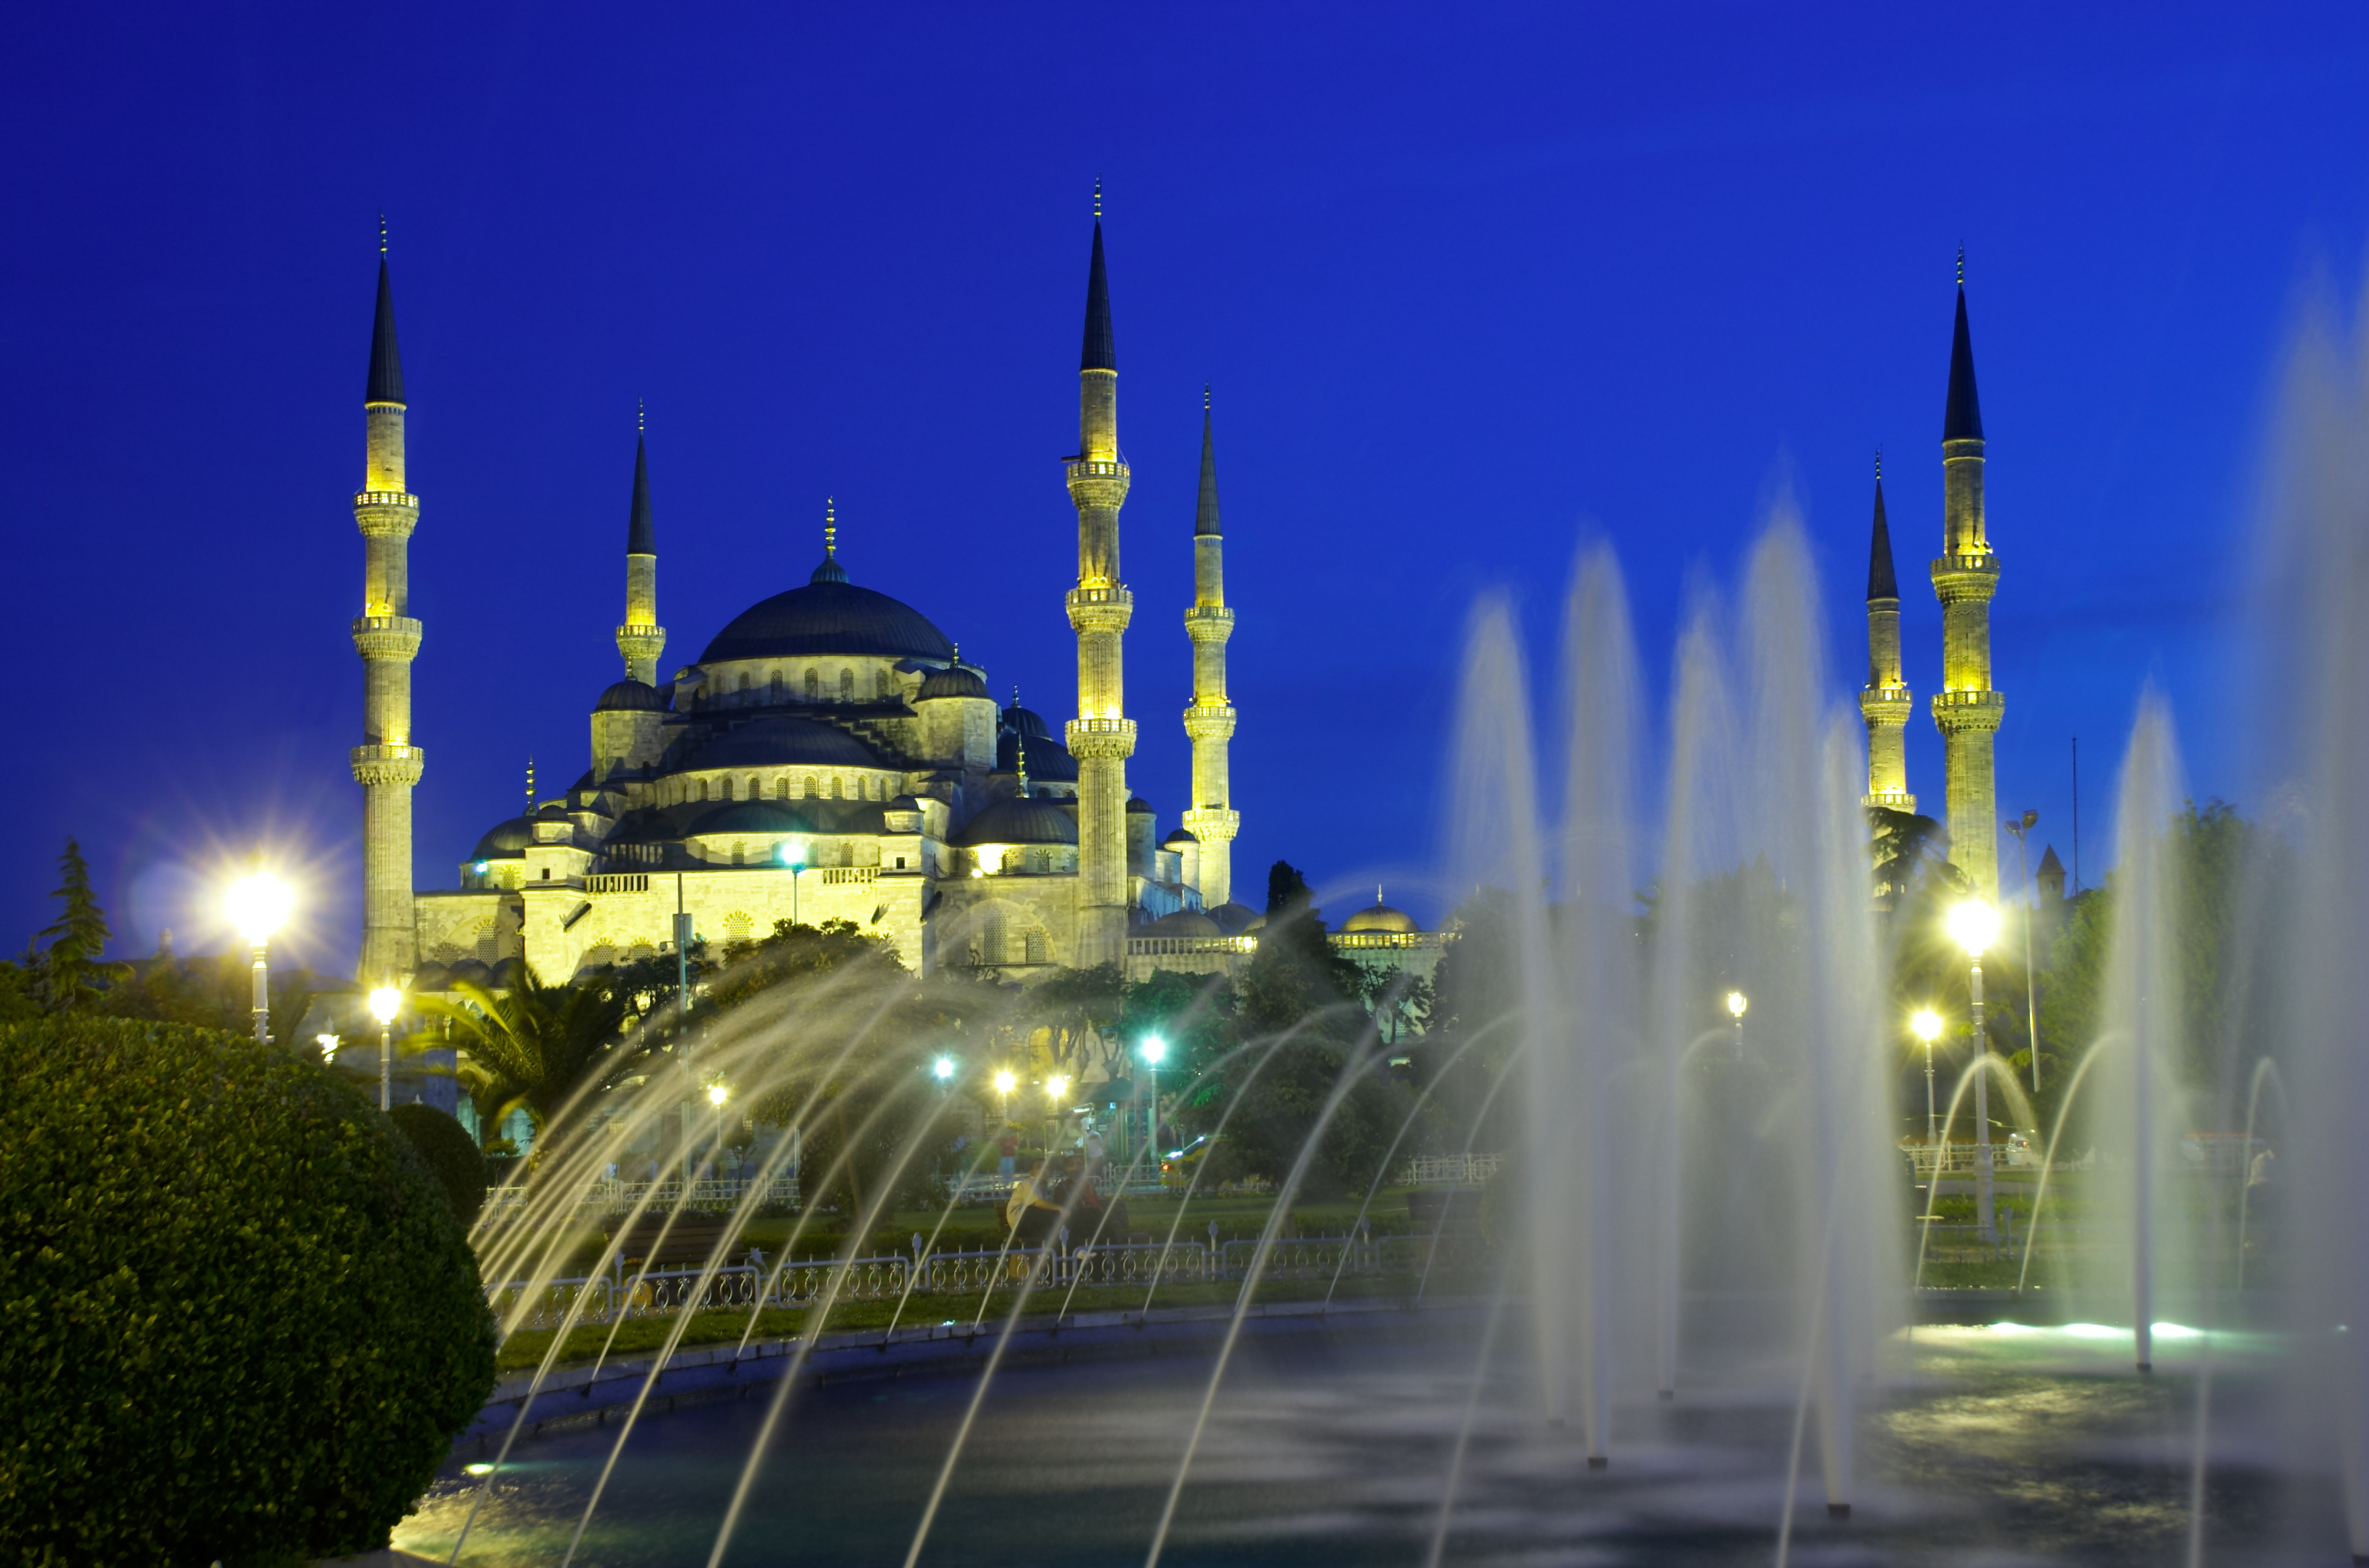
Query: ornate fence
pixel 743 1287
pixel 1450 1170
pixel 599 1198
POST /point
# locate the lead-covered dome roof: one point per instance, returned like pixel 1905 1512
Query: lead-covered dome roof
pixel 630 696
pixel 829 615
pixel 954 680
pixel 1378 916
pixel 1019 819
pixel 781 740
pixel 505 840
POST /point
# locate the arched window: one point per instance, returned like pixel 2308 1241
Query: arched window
pixel 846 685
pixel 880 684
pixel 702 789
pixel 1033 944
pixel 744 681
pixel 739 852
pixel 727 787
pixel 814 788
pixel 991 938
pixel 837 784
pixel 776 689
pixel 1043 859
pixel 781 787
pixel 814 687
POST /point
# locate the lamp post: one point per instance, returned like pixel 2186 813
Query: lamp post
pixel 1056 1087
pixel 2019 827
pixel 1154 1050
pixel 1005 1080
pixel 258 906
pixel 1736 1003
pixel 1928 1025
pixel 794 855
pixel 717 1095
pixel 386 1002
pixel 1975 925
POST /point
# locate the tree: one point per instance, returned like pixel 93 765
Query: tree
pixel 69 974
pixel 535 1047
pixel 1079 1010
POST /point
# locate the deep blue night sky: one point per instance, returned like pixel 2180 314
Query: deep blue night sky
pixel 1468 283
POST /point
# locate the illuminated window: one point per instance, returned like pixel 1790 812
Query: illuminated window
pixel 837 784
pixel 1033 945
pixel 781 787
pixel 727 787
pixel 882 686
pixel 900 862
pixel 756 788
pixel 744 681
pixel 702 789
pixel 814 788
pixel 846 685
pixel 814 687
pixel 739 852
pixel 776 689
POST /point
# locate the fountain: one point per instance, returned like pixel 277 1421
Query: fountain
pixel 1699 1307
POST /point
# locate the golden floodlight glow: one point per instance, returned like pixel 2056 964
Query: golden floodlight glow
pixel 1057 1086
pixel 386 1002
pixel 1736 1004
pixel 1973 925
pixel 717 1094
pixel 258 906
pixel 1005 1080
pixel 1927 1023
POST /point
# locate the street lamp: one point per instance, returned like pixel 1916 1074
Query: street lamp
pixel 1056 1089
pixel 258 906
pixel 1974 926
pixel 942 1069
pixel 717 1095
pixel 794 855
pixel 386 1002
pixel 1153 1050
pixel 2019 827
pixel 1927 1026
pixel 1736 1003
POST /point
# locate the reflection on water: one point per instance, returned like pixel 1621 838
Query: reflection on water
pixel 2001 1446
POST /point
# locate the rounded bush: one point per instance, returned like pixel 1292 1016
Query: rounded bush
pixel 451 1152
pixel 238 1319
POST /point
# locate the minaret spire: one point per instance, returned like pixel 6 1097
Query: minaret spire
pixel 1886 703
pixel 829 570
pixel 641 639
pixel 1209 815
pixel 1102 737
pixel 1968 709
pixel 386 764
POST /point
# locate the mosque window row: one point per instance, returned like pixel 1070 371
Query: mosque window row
pixel 747 689
pixel 785 787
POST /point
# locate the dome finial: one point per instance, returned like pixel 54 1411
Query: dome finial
pixel 530 784
pixel 1098 199
pixel 1378 895
pixel 1205 397
pixel 641 417
pixel 1962 264
pixel 1020 744
pixel 382 231
pixel 829 530
pixel 1879 466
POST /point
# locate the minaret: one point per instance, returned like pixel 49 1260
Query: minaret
pixel 641 638
pixel 1967 710
pixel 1102 737
pixel 1209 721
pixel 386 764
pixel 1885 703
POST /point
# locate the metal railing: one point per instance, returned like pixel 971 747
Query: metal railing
pixel 1450 1170
pixel 664 1198
pixel 759 1282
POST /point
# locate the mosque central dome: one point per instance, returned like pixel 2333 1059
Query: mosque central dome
pixel 828 616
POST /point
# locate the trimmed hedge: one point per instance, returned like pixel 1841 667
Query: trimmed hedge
pixel 450 1154
pixel 237 1317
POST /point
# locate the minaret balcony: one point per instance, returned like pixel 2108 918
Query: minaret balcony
pixel 386 514
pixel 1886 705
pixel 1099 736
pixel 1212 824
pixel 1095 483
pixel 387 765
pixel 1954 711
pixel 1209 721
pixel 1208 624
pixel 386 637
pixel 1100 609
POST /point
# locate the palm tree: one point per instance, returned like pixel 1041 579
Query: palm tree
pixel 535 1047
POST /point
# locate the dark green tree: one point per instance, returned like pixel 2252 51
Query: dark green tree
pixel 535 1046
pixel 70 976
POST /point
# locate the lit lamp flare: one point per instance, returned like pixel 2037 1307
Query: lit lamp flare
pixel 1154 1050
pixel 1926 1026
pixel 942 1069
pixel 258 906
pixel 1736 1003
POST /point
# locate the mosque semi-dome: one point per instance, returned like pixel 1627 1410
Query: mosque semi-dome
pixel 752 816
pixel 1183 922
pixel 1021 819
pixel 830 617
pixel 630 696
pixel 783 739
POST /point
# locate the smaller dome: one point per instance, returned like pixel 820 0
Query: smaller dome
pixel 903 803
pixel 430 975
pixel 1178 839
pixel 1021 819
pixel 954 680
pixel 630 696
pixel 1018 720
pixel 831 570
pixel 1138 806
pixel 1182 922
pixel 505 841
pixel 1378 916
pixel 1236 918
pixel 468 969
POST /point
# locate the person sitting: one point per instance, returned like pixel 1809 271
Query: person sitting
pixel 1032 1213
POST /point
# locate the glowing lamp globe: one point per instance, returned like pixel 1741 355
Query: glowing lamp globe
pixel 1926 1024
pixel 258 906
pixel 386 1002
pixel 943 1068
pixel 794 855
pixel 1973 925
pixel 1154 1049
pixel 1736 1004
pixel 1004 1082
pixel 1057 1086
pixel 717 1094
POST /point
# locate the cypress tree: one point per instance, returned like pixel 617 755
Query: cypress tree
pixel 69 964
